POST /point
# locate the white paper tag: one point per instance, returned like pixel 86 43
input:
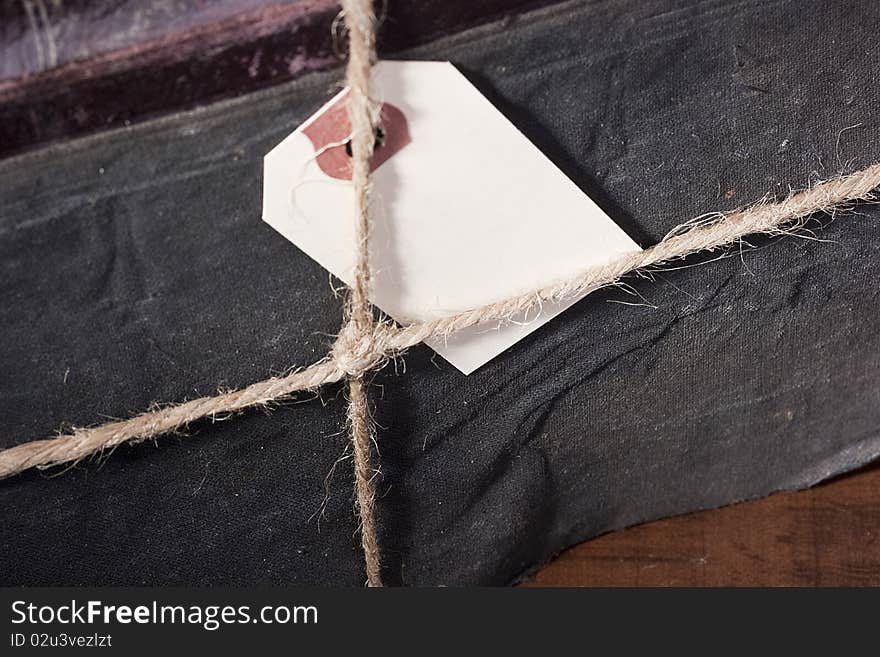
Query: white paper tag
pixel 465 209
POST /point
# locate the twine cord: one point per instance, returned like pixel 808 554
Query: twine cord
pixel 364 345
pixel 355 357
pixel 354 350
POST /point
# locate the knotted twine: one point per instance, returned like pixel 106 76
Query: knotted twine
pixel 364 345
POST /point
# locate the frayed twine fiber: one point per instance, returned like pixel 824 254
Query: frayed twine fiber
pixel 354 353
pixel 364 345
pixel 363 115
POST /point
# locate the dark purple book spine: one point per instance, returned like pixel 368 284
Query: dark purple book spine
pixel 84 65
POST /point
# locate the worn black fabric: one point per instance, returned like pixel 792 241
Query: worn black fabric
pixel 135 269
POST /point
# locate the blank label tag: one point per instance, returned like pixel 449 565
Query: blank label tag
pixel 465 209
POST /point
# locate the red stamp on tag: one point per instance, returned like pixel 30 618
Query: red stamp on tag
pixel 330 132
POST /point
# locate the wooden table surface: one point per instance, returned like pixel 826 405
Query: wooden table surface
pixel 826 536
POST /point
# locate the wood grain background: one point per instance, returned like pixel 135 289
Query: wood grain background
pixel 826 536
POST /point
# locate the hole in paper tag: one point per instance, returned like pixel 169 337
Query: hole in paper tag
pixel 329 134
pixel 465 209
